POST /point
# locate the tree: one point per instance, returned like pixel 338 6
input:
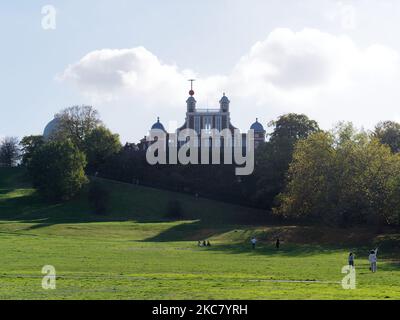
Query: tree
pixel 274 157
pixel 9 151
pixel 100 145
pixel 76 123
pixel 29 145
pixel 388 132
pixel 307 191
pixel 292 127
pixel 57 170
pixel 342 178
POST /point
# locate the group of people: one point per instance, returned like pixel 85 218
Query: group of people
pixel 204 243
pixel 372 258
pixel 254 242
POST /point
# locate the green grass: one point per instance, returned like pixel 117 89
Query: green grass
pixel 135 253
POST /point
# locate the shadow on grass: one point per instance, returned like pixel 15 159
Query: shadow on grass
pixel 204 219
pixel 190 231
pixel 34 210
pixel 301 250
pixel 29 209
pixel 270 250
pixel 201 230
pixel 5 191
pixel 126 203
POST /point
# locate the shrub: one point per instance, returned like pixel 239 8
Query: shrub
pixel 57 170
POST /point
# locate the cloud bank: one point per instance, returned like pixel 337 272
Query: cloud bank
pixel 326 76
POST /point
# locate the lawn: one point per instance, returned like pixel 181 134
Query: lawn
pixel 135 253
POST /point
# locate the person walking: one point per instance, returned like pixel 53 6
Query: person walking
pixel 351 259
pixel 373 260
pixel 253 242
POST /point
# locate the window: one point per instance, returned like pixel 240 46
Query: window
pixel 207 123
pixel 218 123
pixel 197 124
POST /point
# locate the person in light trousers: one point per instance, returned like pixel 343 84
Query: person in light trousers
pixel 373 260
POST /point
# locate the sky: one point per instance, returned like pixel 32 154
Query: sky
pixel 331 60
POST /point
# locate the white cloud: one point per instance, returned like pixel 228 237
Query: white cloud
pixel 345 14
pixel 110 73
pixel 325 76
pixel 296 67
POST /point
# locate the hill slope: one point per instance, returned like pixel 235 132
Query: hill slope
pixel 135 253
pixel 202 218
pixel 20 202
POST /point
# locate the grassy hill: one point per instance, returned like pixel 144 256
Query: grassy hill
pixel 134 252
pixel 127 202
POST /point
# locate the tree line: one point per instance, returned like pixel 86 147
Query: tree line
pixel 342 177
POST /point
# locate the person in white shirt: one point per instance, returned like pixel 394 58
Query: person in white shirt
pixel 253 242
pixel 373 260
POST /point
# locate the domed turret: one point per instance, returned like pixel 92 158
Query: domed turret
pixel 224 103
pixel 51 128
pixel 259 133
pixel 158 125
pixel 191 104
pixel 257 127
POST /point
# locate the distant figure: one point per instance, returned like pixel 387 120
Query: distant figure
pixel 351 259
pixel 204 243
pixel 278 243
pixel 253 242
pixel 199 243
pixel 373 259
pixel 208 244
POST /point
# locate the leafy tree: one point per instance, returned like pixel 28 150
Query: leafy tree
pixel 100 145
pixel 76 123
pixel 292 127
pixel 28 146
pixel 57 169
pixel 307 193
pixel 388 132
pixel 273 158
pixel 9 151
pixel 342 178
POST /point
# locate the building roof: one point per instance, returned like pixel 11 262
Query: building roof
pixel 224 99
pixel 191 99
pixel 158 125
pixel 257 127
pixel 51 127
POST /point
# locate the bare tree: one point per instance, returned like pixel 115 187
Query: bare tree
pixel 9 152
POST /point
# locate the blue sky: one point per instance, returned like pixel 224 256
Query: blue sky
pixel 333 60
